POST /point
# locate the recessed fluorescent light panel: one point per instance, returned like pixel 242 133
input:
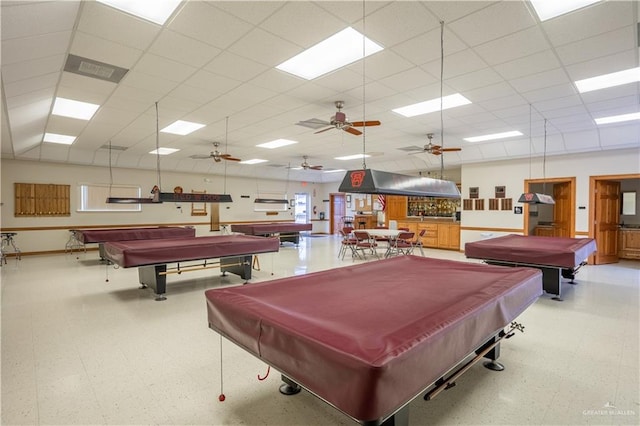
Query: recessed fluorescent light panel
pixel 335 52
pixel 253 161
pixel 157 11
pixel 353 157
pixel 608 80
pixel 277 143
pixel 182 127
pixel 547 9
pixel 433 105
pixel 61 139
pixel 164 151
pixel 493 136
pixel 74 109
pixel 618 118
pixel 334 171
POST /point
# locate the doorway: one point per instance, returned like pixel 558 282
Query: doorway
pixel 301 208
pixel 337 209
pixel 604 215
pixel 559 219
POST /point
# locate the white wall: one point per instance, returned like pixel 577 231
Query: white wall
pixel 512 174
pixel 51 240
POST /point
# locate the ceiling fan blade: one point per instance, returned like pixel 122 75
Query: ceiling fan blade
pixel 449 149
pixel 229 157
pixel 315 167
pixel 313 123
pixel 352 131
pixel 365 123
pixel 324 130
pixel 200 157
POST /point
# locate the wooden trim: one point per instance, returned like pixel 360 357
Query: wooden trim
pixel 572 182
pixel 582 233
pixel 66 228
pixel 37 253
pixel 477 228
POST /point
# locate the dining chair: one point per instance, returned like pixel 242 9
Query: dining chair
pixel 348 243
pixel 365 242
pixel 418 241
pixel 402 244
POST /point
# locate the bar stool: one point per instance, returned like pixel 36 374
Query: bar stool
pixel 362 224
pixel 8 243
pixel 347 221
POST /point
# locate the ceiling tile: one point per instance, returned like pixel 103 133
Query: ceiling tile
pixel 99 49
pixel 163 68
pixel 459 63
pixel 541 80
pixel 590 21
pixel 450 11
pixel 115 26
pixel 492 22
pixel 208 24
pixel 476 79
pixel 426 47
pixel 179 48
pixel 33 84
pixel 32 48
pixel 514 46
pixel 265 48
pixel 38 18
pixel 533 64
pixel 399 21
pixel 604 65
pixel 33 68
pixel 597 46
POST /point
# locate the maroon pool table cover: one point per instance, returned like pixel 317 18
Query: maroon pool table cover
pixel 270 228
pixel 548 251
pixel 368 338
pixel 153 252
pixel 87 236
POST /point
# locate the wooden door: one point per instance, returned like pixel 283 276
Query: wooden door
pixel 562 210
pixel 337 209
pixel 607 210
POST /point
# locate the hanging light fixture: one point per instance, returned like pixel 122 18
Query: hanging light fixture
pixel 368 181
pixel 535 197
pixel 158 197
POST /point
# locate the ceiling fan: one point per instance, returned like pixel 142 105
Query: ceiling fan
pixel 338 121
pixel 306 166
pixel 431 148
pixel 216 155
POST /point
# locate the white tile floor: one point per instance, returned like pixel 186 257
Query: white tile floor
pixel 79 350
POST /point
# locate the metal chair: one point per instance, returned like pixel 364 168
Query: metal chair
pixel 418 242
pixel 347 243
pixel 402 244
pixel 365 242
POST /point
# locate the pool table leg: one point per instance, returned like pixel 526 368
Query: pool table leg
pixel 150 276
pixel 492 355
pixel 289 387
pixel 552 281
pixel 240 265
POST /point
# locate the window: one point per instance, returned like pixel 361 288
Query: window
pixel 93 197
pixel 629 203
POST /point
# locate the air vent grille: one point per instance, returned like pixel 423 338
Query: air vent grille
pixel 94 69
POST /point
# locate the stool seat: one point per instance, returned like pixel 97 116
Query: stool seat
pixel 362 224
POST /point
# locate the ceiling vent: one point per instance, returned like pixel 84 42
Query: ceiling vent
pixel 113 147
pixel 94 69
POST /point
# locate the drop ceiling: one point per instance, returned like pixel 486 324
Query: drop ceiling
pixel 214 60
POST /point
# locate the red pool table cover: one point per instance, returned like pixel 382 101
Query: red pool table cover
pixel 270 228
pixel 547 251
pixel 125 234
pixel 368 338
pixel 155 252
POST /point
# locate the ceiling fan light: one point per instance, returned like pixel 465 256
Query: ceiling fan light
pixel 253 161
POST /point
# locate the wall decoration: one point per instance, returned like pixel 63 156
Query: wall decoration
pixel 494 204
pixel 467 204
pixel 474 192
pixel 479 204
pixel 500 191
pixel 506 204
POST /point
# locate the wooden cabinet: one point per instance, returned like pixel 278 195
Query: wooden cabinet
pixel 544 231
pixel 396 208
pixel 411 226
pixel 440 235
pixel 449 236
pixel 629 243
